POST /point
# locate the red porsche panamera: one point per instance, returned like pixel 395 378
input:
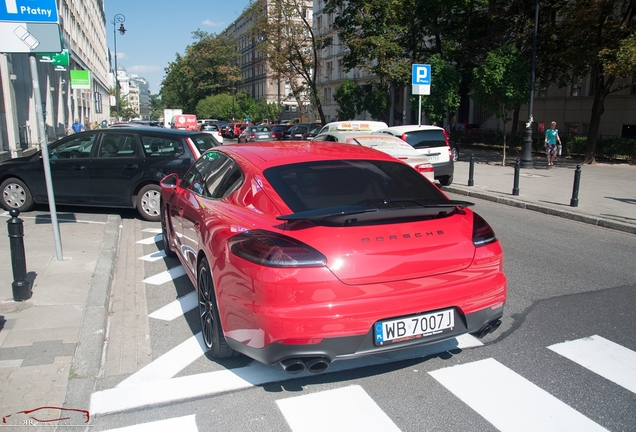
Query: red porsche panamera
pixel 303 253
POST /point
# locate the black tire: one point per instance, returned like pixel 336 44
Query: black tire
pixel 164 233
pixel 455 153
pixel 149 202
pixel 16 195
pixel 211 329
pixel 445 180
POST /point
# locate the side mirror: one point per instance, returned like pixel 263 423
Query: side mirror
pixel 169 181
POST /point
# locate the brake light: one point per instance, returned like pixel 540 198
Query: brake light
pixel 483 234
pixel 403 137
pixel 274 250
pixel 424 167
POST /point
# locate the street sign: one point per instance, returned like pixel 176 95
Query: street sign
pixel 42 11
pixel 56 59
pixel 421 79
pixel 21 37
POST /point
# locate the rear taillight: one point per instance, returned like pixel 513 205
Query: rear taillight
pixel 424 167
pixel 274 250
pixel 403 137
pixel 482 232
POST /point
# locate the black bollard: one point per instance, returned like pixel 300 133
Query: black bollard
pixel 471 171
pixel 574 202
pixel 21 286
pixel 515 187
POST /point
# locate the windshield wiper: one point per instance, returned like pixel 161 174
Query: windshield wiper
pixel 402 202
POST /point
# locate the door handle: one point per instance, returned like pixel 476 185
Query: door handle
pixel 79 167
pixel 132 166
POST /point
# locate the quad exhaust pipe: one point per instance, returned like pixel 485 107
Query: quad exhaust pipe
pixel 314 365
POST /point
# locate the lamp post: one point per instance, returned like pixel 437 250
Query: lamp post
pixel 233 98
pixel 526 155
pixel 119 19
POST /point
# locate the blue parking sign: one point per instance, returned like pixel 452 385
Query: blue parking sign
pixel 421 74
pixel 39 11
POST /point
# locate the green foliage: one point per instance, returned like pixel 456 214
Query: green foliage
pixel 376 102
pixel 209 66
pixel 608 148
pixel 501 83
pixel 350 99
pixel 156 107
pixel 216 106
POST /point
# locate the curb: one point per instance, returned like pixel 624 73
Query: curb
pixel 591 220
pixel 88 354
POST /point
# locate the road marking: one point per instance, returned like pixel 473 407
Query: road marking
pixel 152 230
pixel 192 386
pixel 150 240
pixel 165 276
pixel 344 409
pixel 169 364
pixel 509 401
pixel 155 256
pixel 181 424
pixel 177 308
pixel 603 357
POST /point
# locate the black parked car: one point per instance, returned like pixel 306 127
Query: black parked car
pixel 118 167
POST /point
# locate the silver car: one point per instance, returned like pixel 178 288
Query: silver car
pixel 256 133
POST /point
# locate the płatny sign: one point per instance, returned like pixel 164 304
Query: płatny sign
pixel 42 11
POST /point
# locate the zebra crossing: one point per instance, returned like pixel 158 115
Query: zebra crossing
pixel 496 392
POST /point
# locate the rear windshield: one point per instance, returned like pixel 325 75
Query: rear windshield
pixel 204 141
pixel 323 184
pixel 279 128
pixel 426 138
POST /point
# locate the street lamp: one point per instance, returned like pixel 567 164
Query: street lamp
pixel 526 155
pixel 119 19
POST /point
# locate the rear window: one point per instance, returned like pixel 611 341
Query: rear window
pixel 426 138
pixel 204 142
pixel 323 184
pixel 279 128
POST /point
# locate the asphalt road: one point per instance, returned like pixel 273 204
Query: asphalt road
pixel 569 284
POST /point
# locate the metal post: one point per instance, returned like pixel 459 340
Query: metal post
pixel 515 188
pixel 574 202
pixel 526 154
pixel 119 18
pixel 45 157
pixel 21 286
pixel 471 170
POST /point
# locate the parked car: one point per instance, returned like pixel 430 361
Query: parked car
pixel 382 142
pixel 112 167
pixel 234 129
pixel 256 133
pixel 468 132
pixel 310 134
pixel 278 130
pixel 214 130
pixel 296 131
pixel 433 142
pixel 310 252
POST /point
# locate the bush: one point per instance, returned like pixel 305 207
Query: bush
pixel 609 148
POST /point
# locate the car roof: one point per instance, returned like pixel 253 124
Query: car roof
pixel 354 125
pixel 409 128
pixel 274 153
pixel 153 129
pixel 344 136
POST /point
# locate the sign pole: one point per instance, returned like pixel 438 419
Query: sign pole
pixel 419 113
pixel 45 155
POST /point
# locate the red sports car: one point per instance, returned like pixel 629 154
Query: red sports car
pixel 303 253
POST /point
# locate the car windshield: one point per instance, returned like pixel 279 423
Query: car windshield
pixel 204 141
pixel 263 129
pixel 355 186
pixel 279 128
pixel 426 138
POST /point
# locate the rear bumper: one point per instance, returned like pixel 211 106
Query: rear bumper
pixel 351 347
pixel 443 169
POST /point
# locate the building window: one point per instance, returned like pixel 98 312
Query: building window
pixel 576 88
pixel 329 71
pixel 543 90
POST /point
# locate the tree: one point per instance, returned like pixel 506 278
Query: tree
pixel 350 99
pixel 208 67
pixel 287 40
pixel 216 106
pixel 444 97
pixel 156 107
pixel 501 84
pixel 593 38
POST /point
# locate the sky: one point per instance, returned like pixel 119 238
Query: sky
pixel 159 29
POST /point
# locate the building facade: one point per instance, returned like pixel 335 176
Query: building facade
pixel 83 29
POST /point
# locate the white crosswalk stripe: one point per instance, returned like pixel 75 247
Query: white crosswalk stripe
pixel 181 424
pixel 345 409
pixel 603 357
pixel 155 256
pixel 509 401
pixel 166 276
pixel 151 240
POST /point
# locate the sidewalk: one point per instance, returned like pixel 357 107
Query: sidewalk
pixel 51 345
pixel 606 197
